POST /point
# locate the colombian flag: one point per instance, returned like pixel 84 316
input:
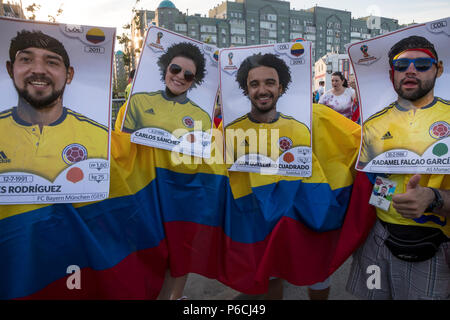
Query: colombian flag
pixel 239 228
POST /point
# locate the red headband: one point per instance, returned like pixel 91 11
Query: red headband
pixel 428 52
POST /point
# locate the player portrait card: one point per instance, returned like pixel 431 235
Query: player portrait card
pixel 173 94
pixel 55 81
pixel 382 192
pixel 403 79
pixel 267 108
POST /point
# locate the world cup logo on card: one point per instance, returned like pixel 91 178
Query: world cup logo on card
pixel 230 58
pixel 367 58
pixel 159 35
pixel 364 49
pixel 156 46
pixel 230 68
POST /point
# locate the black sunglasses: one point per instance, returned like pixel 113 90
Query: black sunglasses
pixel 176 69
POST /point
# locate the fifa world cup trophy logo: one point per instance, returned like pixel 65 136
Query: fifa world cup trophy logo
pixel 364 50
pixel 159 35
pixel 230 58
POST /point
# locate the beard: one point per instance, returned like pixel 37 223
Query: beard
pixel 423 88
pixel 39 102
pixel 266 108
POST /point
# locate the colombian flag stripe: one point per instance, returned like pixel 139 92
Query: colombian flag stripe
pixel 239 228
pixel 39 245
pixel 209 207
pixel 290 250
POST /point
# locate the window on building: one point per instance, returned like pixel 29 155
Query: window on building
pixel 272 17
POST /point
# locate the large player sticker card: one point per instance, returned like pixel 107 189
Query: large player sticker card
pixel 173 95
pixel 267 110
pixel 404 107
pixel 55 82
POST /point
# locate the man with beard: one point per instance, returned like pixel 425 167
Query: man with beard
pixel 39 135
pixel 264 79
pixel 406 255
pixel 408 123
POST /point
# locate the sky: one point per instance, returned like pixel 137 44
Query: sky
pixel 117 13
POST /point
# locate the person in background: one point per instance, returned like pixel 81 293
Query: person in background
pixel 320 91
pixel 340 97
pixel 121 112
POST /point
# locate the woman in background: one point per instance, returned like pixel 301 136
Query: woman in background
pixel 340 97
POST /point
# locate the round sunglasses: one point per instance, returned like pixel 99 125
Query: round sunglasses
pixel 176 69
pixel 421 64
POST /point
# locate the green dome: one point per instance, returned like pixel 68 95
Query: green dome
pixel 166 4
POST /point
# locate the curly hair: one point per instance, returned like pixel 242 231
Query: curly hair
pixel 412 42
pixel 36 39
pixel 267 60
pixel 186 50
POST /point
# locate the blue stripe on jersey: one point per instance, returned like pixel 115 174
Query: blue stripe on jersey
pixel 81 117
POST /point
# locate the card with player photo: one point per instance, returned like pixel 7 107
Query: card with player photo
pixel 55 113
pixel 173 94
pixel 402 78
pixel 267 108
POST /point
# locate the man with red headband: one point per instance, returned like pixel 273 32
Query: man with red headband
pixel 407 122
pixel 407 253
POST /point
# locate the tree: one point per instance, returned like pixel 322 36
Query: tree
pixel 33 9
pixel 58 13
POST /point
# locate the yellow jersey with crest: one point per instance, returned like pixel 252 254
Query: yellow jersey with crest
pixel 397 128
pixel 155 110
pixel 245 136
pixel 71 138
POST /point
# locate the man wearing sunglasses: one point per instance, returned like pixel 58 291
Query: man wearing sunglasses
pixel 408 123
pixel 182 68
pixel 409 243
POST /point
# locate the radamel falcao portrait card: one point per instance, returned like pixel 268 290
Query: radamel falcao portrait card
pixel 403 82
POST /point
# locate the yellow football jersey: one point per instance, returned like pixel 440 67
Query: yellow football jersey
pixel 397 128
pixel 119 117
pixel 153 109
pixel 244 136
pixel 72 138
pixel 439 181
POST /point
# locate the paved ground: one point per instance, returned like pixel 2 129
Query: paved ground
pixel 202 288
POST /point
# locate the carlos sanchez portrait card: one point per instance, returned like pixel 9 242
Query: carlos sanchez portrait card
pixel 267 108
pixel 55 112
pixel 402 79
pixel 173 94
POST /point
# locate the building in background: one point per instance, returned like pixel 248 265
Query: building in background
pixel 11 9
pixel 252 22
pixel 120 75
pixel 329 63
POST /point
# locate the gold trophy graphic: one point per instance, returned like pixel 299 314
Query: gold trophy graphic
pixel 230 58
pixel 159 35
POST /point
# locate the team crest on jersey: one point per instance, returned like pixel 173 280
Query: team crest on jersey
pixel 285 143
pixel 188 122
pixel 74 153
pixel 439 130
